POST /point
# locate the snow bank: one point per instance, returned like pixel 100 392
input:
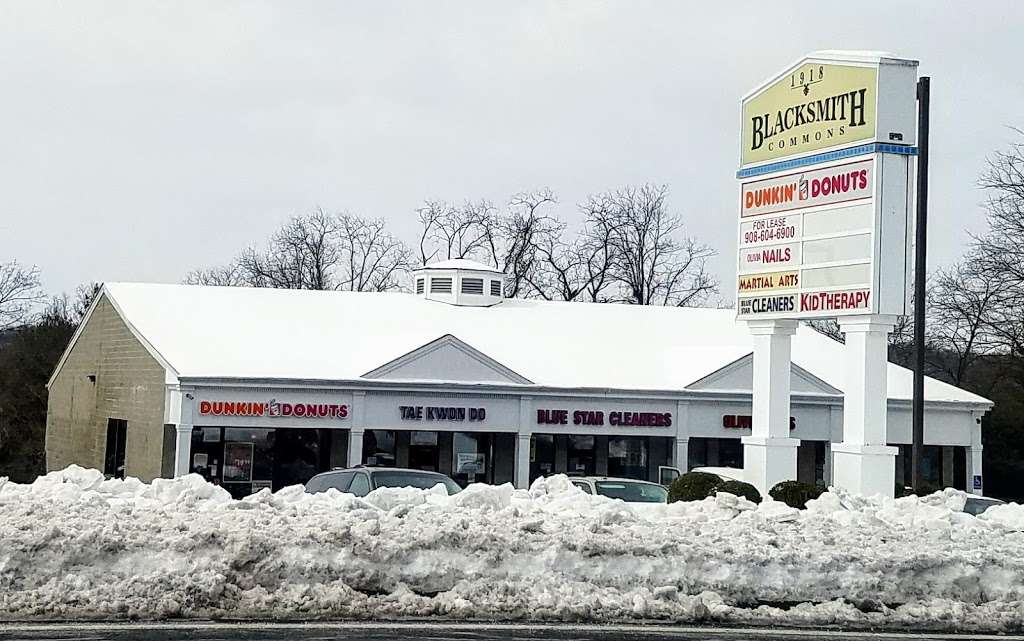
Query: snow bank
pixel 73 545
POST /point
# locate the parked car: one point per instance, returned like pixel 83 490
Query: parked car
pixel 977 504
pixel 628 490
pixel 360 481
pixel 724 473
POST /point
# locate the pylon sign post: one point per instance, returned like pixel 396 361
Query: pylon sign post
pixel 824 228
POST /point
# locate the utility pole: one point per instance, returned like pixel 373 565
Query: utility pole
pixel 920 269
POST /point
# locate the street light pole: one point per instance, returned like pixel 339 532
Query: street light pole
pixel 920 273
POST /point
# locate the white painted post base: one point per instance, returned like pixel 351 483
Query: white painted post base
pixel 769 454
pixel 767 461
pixel 864 463
pixel 869 470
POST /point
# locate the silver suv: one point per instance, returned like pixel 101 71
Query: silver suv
pixel 360 481
pixel 628 490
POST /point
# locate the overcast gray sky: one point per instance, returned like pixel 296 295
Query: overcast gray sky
pixel 139 140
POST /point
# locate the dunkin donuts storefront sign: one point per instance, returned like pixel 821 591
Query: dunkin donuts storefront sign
pixel 272 408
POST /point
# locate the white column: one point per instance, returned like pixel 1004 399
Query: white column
pixel 525 432
pixel 974 467
pixel 682 454
pixel 522 476
pixel 769 453
pixel 355 447
pixel 681 458
pixel 356 429
pixel 827 472
pixel 182 448
pixel 863 462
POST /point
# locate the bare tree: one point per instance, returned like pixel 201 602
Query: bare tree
pixel 71 310
pixel 301 255
pixel 457 232
pixel 652 261
pixel 318 251
pixel 229 275
pixel 521 231
pixel 19 293
pixel 962 307
pixel 371 258
pixel 998 253
pixel 578 270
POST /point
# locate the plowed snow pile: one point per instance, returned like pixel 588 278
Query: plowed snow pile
pixel 73 545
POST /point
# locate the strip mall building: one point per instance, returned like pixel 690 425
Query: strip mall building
pixel 262 388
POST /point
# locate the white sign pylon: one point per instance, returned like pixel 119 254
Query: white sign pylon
pixel 863 463
pixel 769 454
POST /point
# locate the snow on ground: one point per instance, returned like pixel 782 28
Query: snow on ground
pixel 73 545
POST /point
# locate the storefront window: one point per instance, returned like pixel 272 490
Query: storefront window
pixel 470 458
pixel 715 452
pixel 581 458
pixel 298 455
pixel 730 452
pixel 246 460
pixel 379 448
pixel 423 451
pixel 542 455
pixel 627 457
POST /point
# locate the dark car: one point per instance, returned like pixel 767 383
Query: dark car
pixel 977 504
pixel 360 481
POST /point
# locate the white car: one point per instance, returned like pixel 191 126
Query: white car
pixel 628 490
pixel 724 473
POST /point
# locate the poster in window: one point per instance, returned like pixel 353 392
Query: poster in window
pixel 469 463
pixel 237 462
pixel 211 434
pixel 428 439
pixel 259 485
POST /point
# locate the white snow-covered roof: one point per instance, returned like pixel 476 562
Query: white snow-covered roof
pixel 239 332
pixel 462 263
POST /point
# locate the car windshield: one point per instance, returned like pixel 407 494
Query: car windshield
pixel 421 480
pixel 632 492
pixel 976 506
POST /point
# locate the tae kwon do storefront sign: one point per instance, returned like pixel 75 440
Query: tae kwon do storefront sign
pixel 823 235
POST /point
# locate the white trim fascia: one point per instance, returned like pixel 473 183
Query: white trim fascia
pixel 448 340
pixel 805 375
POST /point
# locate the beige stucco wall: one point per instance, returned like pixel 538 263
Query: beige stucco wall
pixel 130 385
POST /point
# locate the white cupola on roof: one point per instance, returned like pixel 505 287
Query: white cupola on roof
pixel 459 282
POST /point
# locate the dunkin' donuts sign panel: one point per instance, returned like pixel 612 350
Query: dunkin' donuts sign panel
pixel 827 186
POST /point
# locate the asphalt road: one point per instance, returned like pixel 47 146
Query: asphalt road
pixel 439 632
